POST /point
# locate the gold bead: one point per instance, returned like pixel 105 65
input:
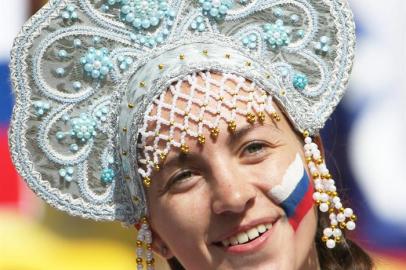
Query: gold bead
pixel 144 220
pixel 214 132
pixel 342 225
pixel 220 98
pixel 136 200
pixel 308 159
pixel 327 176
pixel 251 118
pixel 162 156
pixel 138 243
pixel 333 227
pixel 184 148
pixel 171 123
pixel 353 218
pixel 124 129
pixel 275 116
pixel 147 182
pixel 130 105
pixel 201 139
pixel 342 209
pixel 268 76
pixel 124 153
pixel 261 117
pixel 127 177
pixel 282 92
pixel 139 260
pixel 334 194
pixel 248 63
pixel 306 133
pixel 324 238
pixel 227 55
pixel 205 52
pixel 319 161
pixel 331 210
pixel 318 202
pixel 161 66
pixel 156 167
pixel 316 175
pixel 337 239
pixel 142 84
pixel 181 56
pixel 232 126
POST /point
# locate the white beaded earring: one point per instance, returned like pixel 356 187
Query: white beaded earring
pixel 326 196
pixel 144 247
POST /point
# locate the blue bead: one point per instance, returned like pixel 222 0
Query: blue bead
pixel 300 81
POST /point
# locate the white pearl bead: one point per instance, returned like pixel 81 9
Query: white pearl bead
pixel 317 181
pixel 350 225
pixel 328 232
pixel 336 199
pixel 308 153
pixel 319 186
pixel 308 140
pixel 337 232
pixel 307 147
pixel 332 188
pixel 323 207
pixel 338 205
pixel 316 196
pixel 340 217
pixel 332 216
pixel 331 243
pixel 348 212
pixel 324 197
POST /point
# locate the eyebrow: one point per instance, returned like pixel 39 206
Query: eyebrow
pixel 232 139
pixel 243 131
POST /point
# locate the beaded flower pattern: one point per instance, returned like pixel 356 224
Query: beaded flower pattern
pixel 85 71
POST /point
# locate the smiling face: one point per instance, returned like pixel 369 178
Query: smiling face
pixel 217 206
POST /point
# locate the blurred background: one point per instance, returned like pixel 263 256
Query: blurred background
pixel 364 139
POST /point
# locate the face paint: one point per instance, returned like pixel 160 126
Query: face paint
pixel 294 194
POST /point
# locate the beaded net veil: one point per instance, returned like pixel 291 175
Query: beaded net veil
pixel 193 107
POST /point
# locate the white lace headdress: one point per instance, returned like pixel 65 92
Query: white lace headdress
pixel 85 72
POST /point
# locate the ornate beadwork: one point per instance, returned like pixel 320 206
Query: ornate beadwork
pixel 96 63
pixel 276 34
pixel 216 9
pixel 300 81
pixel 47 66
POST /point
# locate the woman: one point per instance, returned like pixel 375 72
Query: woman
pixel 186 118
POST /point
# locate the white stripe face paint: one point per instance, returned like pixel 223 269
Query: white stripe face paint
pixel 290 180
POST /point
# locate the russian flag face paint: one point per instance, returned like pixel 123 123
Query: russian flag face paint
pixel 294 193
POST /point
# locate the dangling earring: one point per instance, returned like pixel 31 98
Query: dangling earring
pixel 326 196
pixel 144 246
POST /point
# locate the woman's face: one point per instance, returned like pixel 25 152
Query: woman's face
pixel 218 193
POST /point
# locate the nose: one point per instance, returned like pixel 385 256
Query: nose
pixel 232 191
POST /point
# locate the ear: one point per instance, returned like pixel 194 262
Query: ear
pixel 160 247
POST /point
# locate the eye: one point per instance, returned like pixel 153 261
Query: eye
pixel 181 176
pixel 254 147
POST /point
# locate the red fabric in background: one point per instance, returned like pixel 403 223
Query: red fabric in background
pixel 9 180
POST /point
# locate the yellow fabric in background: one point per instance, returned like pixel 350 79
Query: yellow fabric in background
pixel 28 245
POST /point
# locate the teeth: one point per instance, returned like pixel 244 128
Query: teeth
pixel 244 237
pixel 261 228
pixel 233 241
pixel 253 233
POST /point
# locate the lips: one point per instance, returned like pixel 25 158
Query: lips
pixel 246 236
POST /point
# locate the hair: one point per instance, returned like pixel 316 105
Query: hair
pixel 345 256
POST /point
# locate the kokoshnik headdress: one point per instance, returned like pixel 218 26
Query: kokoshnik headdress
pixel 85 71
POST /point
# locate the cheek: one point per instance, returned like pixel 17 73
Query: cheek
pixel 180 215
